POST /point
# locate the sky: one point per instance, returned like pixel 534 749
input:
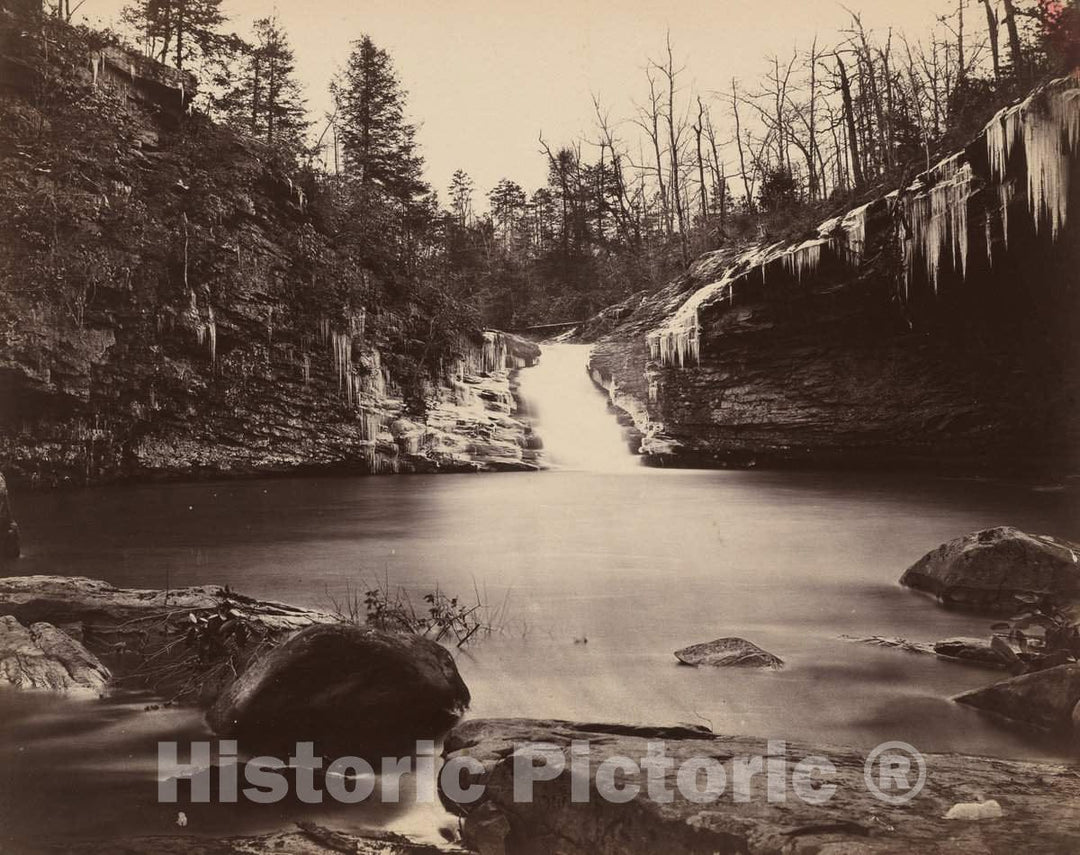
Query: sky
pixel 486 77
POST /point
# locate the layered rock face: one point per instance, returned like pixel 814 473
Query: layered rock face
pixel 173 304
pixel 932 326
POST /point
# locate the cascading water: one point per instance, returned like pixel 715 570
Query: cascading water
pixel 571 414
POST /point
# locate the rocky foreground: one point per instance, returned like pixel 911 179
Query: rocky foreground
pixel 270 674
pixel 1040 803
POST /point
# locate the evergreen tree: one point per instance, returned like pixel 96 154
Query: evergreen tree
pixel 183 32
pixel 461 190
pixel 378 144
pixel 266 100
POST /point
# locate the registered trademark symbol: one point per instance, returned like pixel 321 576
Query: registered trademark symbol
pixel 895 772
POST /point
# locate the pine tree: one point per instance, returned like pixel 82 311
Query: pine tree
pixel 266 100
pixel 182 32
pixel 461 191
pixel 378 144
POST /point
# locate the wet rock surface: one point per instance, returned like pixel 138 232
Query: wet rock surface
pixel 349 689
pixel 40 656
pixel 1043 699
pixel 1040 802
pixel 728 653
pixel 985 570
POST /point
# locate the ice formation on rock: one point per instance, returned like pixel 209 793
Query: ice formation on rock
pixel 936 219
pixel 804 259
pixel 1047 127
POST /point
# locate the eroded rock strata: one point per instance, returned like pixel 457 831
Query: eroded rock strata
pixel 931 326
pixel 176 306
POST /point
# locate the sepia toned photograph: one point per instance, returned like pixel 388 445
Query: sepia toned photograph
pixel 589 427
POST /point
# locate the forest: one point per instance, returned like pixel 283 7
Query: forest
pixel 822 128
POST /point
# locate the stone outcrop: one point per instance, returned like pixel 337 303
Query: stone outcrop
pixel 728 653
pixel 307 839
pixel 1040 803
pixel 40 656
pixel 140 634
pixel 986 570
pixel 931 326
pixel 10 546
pixel 349 689
pixel 1043 699
pixel 195 316
pixel 977 651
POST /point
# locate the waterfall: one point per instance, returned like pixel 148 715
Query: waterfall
pixel 571 415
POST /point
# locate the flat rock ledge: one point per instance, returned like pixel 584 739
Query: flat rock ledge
pixel 128 628
pixel 1040 802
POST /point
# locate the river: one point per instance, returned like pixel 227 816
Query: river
pixel 600 568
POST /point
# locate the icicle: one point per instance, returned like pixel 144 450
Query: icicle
pixel 804 259
pixel 1002 134
pixel 182 93
pixel 854 227
pixel 1006 194
pixel 307 369
pixel 211 330
pixel 1051 140
pixel 131 71
pixel 678 342
pixel 95 68
pixel 938 217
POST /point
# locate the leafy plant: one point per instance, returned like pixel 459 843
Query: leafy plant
pixel 441 618
pixel 1042 634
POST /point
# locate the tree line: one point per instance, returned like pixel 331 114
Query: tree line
pixel 636 200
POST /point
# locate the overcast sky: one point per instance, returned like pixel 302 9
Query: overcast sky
pixel 485 77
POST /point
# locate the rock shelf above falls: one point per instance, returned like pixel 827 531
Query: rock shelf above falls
pixel 933 322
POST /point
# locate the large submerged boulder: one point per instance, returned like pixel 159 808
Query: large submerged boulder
pixel 986 570
pixel 9 529
pixel 1040 803
pixel 728 653
pixel 1043 699
pixel 349 689
pixel 40 656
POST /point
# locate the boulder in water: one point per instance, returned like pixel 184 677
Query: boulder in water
pixel 41 656
pixel 978 651
pixel 986 570
pixel 349 689
pixel 1043 699
pixel 728 653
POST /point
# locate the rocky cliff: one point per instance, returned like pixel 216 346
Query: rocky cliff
pixel 933 326
pixel 172 301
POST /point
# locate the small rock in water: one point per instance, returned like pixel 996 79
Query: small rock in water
pixel 181 819
pixel 975 810
pixel 728 652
